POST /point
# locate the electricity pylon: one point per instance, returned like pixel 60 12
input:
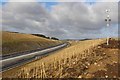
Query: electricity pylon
pixel 108 20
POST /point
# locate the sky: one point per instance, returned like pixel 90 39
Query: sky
pixel 59 18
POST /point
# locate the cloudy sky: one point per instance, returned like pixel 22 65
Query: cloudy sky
pixel 61 19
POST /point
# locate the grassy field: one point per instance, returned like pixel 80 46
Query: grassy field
pixel 17 42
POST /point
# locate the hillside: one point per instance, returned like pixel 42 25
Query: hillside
pixel 19 42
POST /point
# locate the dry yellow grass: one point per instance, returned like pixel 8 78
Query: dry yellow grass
pixel 54 64
pixel 16 42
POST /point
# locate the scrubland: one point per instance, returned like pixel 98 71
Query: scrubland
pixel 82 59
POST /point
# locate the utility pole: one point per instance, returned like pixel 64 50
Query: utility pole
pixel 107 20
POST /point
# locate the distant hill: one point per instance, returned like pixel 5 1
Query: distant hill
pixel 85 39
pixel 77 39
pixel 13 42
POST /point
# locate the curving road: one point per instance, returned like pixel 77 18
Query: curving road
pixel 11 62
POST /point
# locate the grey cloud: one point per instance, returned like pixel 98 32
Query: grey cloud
pixel 23 15
pixel 90 20
pixel 65 20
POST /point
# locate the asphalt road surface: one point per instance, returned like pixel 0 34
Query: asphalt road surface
pixel 17 60
pixel 6 56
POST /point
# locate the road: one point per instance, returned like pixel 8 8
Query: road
pixel 14 61
pixel 24 53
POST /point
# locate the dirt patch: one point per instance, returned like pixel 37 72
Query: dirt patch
pixel 111 72
pixel 108 65
pixel 113 44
